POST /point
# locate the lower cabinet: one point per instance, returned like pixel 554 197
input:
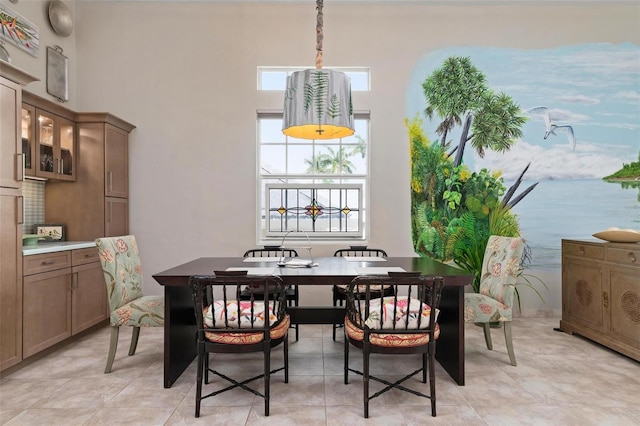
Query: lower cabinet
pixel 601 293
pixel 88 291
pixel 46 313
pixel 63 294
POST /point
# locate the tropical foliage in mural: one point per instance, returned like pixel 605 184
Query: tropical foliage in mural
pixel 454 210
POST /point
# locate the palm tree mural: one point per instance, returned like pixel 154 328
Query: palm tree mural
pixel 454 210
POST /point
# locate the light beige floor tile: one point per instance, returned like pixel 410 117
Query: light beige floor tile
pixel 52 416
pixel 218 416
pixel 288 416
pixel 132 416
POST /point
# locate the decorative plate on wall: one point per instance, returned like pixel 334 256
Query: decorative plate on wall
pixel 60 18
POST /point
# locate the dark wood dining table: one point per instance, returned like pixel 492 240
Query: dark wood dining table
pixel 179 321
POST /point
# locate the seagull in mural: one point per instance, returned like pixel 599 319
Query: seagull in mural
pixel 550 128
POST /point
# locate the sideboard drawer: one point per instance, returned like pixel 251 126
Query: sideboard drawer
pixel 37 263
pixel 629 257
pixel 84 256
pixel 583 250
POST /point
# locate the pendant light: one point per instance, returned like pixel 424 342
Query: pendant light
pixel 317 103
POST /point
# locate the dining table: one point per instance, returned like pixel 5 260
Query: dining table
pixel 180 324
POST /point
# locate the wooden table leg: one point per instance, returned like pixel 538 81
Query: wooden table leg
pixel 450 344
pixel 179 332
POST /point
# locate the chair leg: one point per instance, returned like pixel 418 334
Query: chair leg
pixel 134 340
pixel 267 379
pixel 487 335
pixel 424 368
pixel 335 303
pixel 297 299
pixel 365 377
pixel 286 359
pixel 432 377
pixel 113 346
pixel 346 358
pixel 206 368
pixel 201 366
pixel 507 338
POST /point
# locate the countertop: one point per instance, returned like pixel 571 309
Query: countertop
pixel 50 246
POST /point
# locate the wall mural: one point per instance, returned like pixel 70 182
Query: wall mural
pixel 582 104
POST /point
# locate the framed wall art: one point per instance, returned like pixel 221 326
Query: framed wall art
pixel 49 232
pixel 18 30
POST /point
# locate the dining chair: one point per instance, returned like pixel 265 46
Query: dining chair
pixel 494 303
pixel 227 324
pixel 339 291
pixel 122 271
pixel 400 324
pixel 292 295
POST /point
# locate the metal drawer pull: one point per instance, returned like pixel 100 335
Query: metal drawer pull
pixel 581 250
pixel 48 262
pixel 632 257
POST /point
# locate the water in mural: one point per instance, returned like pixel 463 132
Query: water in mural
pixel 583 105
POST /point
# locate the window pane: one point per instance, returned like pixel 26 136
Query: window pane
pixel 300 157
pixel 359 81
pixel 272 80
pixel 276 79
pixel 270 131
pixel 272 159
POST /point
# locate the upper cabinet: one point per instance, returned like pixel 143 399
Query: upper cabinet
pixel 48 139
pixel 55 138
pixel 97 204
pixel 10 169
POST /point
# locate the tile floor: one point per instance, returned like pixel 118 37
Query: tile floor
pixel 559 380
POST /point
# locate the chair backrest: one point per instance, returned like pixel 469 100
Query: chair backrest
pixel 360 251
pixel 220 309
pixel 411 309
pixel 271 251
pixel 500 268
pixel 122 269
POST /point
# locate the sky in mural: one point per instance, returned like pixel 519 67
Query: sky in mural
pixel 594 88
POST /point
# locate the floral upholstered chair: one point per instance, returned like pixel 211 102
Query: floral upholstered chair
pixel 494 302
pixel 403 323
pixel 123 276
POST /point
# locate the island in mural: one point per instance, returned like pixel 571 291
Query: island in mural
pixel 582 136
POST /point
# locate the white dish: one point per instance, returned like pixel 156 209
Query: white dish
pixel 619 236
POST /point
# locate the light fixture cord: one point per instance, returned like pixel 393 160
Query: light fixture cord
pixel 319 34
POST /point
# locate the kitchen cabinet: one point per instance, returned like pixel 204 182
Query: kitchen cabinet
pixel 12 80
pixel 46 316
pixel 49 131
pixel 64 294
pixel 10 278
pixel 97 204
pixel 89 305
pixel 10 150
pixel 28 117
pixel 601 293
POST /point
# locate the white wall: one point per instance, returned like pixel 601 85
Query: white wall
pixel 185 74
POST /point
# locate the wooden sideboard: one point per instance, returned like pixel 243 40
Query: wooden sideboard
pixel 601 293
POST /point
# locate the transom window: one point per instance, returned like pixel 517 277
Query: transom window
pixel 275 78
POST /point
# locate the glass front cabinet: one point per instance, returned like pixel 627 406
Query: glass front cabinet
pixel 48 144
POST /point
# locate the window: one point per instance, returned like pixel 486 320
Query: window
pixel 315 186
pixel 275 78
